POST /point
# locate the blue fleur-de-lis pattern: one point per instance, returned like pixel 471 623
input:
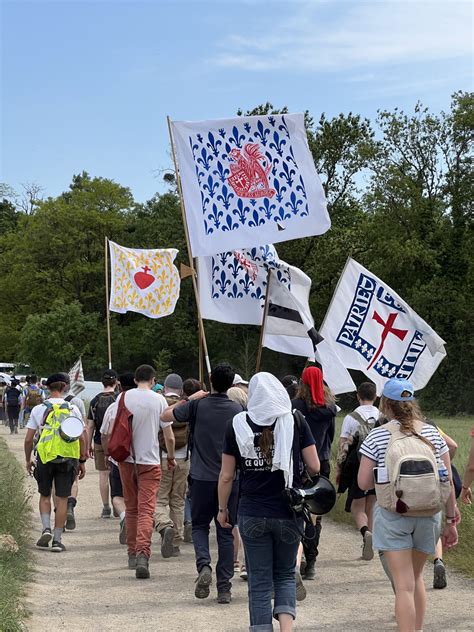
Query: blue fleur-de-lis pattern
pixel 223 210
pixel 231 279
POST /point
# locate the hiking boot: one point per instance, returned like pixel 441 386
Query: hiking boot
pixel 141 571
pixel 123 532
pixel 132 561
pixel 57 547
pixel 300 589
pixel 45 539
pixel 167 537
pixel 303 567
pixel 439 577
pixel 71 519
pixel 203 581
pixel 243 573
pixel 367 550
pixel 106 512
pixel 224 597
pixel 309 571
pixel 176 551
pixel 16 430
pixel 188 532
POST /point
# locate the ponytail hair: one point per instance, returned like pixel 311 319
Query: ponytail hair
pixel 265 444
pixel 406 413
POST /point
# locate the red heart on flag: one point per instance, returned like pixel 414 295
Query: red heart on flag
pixel 143 279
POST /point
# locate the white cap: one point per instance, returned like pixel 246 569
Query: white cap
pixel 238 380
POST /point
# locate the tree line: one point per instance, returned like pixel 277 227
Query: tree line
pixel 399 192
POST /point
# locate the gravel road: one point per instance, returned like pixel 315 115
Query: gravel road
pixel 90 588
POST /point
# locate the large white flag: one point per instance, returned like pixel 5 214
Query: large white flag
pixel 375 331
pixel 232 285
pixel 248 181
pixel 289 328
pixel 76 376
pixel 143 280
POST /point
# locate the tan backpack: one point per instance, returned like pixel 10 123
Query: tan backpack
pixel 180 430
pixel 414 487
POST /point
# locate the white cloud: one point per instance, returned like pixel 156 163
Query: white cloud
pixel 341 36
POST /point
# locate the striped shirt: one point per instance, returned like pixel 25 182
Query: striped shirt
pixel 375 445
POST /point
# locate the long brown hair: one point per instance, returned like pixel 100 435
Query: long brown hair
pixel 406 413
pixel 265 444
pixel 304 393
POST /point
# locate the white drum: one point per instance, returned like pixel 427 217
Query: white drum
pixel 71 429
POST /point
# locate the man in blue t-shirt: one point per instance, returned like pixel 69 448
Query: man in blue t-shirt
pixel 208 415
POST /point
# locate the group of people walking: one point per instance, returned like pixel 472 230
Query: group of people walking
pixel 229 457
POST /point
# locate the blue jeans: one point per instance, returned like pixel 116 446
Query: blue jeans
pixel 271 546
pixel 204 509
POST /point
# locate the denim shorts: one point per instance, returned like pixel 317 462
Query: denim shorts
pixel 395 532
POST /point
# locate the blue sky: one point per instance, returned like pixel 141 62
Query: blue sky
pixel 88 85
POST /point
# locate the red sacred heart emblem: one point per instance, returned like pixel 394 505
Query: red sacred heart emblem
pixel 143 279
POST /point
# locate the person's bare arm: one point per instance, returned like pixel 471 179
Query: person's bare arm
pixel 311 459
pixel 452 445
pixel 466 493
pixel 28 447
pixel 168 435
pixel 365 478
pixel 224 489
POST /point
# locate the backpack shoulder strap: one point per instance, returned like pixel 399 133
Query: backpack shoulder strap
pixel 193 404
pixel 359 418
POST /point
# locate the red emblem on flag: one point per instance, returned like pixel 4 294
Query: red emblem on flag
pixel 388 328
pixel 249 172
pixel 143 279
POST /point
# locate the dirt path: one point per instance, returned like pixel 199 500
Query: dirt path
pixel 90 588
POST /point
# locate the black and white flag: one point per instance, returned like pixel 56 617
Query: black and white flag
pixel 289 328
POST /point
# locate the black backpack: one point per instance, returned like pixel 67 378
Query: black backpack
pixel 104 400
pixel 12 395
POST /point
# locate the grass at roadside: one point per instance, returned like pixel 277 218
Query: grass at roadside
pixel 15 559
pixel 462 557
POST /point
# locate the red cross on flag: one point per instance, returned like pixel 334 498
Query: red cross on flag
pixel 375 331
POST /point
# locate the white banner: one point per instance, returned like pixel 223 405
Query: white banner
pixel 232 285
pixel 248 181
pixel 143 280
pixel 76 376
pixel 375 331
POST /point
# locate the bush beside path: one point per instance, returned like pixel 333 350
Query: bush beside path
pixel 90 588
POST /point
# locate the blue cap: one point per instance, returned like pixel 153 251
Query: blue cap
pixel 399 389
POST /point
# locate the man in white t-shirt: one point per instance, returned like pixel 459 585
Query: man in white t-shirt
pixel 355 427
pixel 172 492
pixel 141 475
pixel 60 471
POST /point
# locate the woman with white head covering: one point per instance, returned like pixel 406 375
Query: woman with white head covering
pixel 271 450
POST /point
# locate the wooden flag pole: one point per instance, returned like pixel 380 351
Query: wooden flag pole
pixel 107 310
pixel 191 261
pixel 264 320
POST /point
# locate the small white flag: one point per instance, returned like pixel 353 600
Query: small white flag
pixel 248 181
pixel 375 331
pixel 143 280
pixel 76 376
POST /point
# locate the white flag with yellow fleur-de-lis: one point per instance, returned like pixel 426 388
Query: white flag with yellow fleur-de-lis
pixel 143 280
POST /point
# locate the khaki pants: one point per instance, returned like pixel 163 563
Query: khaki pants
pixel 170 498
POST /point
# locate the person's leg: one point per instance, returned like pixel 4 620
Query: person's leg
pixel 258 543
pixel 236 536
pixel 164 524
pixel 64 476
pixel 71 504
pixel 202 513
pixel 439 569
pixel 130 496
pixel 148 483
pixel 225 541
pixel 104 489
pixel 369 510
pixel 358 511
pixel 419 561
pixel 178 493
pixel 286 539
pixel 400 564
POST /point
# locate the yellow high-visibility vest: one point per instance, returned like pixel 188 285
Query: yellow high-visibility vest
pixel 51 445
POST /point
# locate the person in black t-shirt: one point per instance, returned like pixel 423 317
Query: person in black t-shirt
pixel 270 449
pixel 316 402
